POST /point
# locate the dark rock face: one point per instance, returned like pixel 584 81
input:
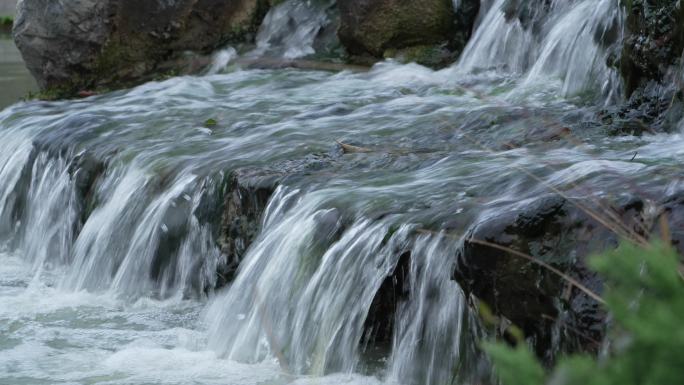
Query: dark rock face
pixel 244 205
pixel 655 40
pixel 85 44
pixel 655 107
pixel 379 324
pixel 673 211
pixel 648 63
pixel 558 232
pixel 378 28
pixel 236 209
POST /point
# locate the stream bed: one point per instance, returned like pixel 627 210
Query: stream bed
pixel 115 263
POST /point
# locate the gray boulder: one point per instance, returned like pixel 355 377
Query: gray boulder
pixel 89 44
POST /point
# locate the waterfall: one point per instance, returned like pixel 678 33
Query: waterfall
pixel 140 237
pixel 430 325
pixel 348 256
pixel 290 28
pixel 576 48
pixel 566 40
pixel 306 287
pixel 498 43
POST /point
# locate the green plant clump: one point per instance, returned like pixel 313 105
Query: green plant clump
pixel 645 295
pixel 6 23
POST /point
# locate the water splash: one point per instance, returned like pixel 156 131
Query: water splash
pixel 221 59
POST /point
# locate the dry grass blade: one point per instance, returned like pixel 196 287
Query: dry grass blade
pixel 613 223
pixel 574 330
pixel 529 258
pixel 543 264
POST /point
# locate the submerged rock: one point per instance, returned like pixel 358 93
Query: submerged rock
pixel 426 31
pixel 86 44
pixel 236 209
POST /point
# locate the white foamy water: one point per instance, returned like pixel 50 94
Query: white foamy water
pixel 51 336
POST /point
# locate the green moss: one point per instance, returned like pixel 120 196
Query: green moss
pixel 6 23
pixel 53 93
pixel 428 55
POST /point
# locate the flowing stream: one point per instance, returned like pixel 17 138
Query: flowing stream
pixel 108 206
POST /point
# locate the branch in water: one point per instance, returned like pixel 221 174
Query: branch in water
pixel 349 149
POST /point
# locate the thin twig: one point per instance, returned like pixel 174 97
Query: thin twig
pixel 530 258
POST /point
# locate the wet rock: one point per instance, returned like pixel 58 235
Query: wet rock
pixel 648 60
pixel 673 211
pixel 241 219
pixel 553 314
pixel 174 230
pixel 85 169
pixel 379 324
pixel 87 44
pixel 652 108
pixel 382 28
pixel 244 199
pixel 654 41
pixel 530 13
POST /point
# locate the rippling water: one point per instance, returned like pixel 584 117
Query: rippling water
pixel 90 295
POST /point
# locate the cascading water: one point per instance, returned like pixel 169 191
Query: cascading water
pixel 290 28
pixel 118 213
pixel 566 40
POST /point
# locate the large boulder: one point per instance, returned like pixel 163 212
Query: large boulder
pixel 428 31
pixel 84 44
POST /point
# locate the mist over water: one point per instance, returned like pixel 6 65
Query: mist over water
pixel 109 262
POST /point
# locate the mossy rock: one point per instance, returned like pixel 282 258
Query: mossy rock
pixel 377 28
pixel 96 45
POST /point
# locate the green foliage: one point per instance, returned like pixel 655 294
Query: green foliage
pixel 6 23
pixel 515 366
pixel 645 295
